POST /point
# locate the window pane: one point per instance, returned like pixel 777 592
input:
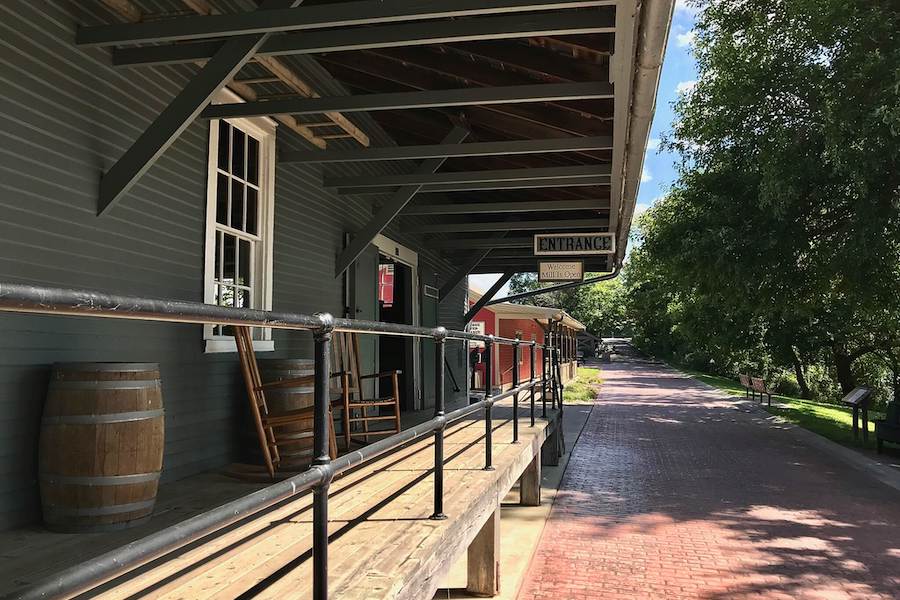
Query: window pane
pixel 222 199
pixel 252 211
pixel 252 160
pixel 217 274
pixel 226 296
pixel 230 250
pixel 224 140
pixel 244 274
pixel 239 141
pixel 237 204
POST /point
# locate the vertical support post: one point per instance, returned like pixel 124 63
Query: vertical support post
pixel 531 364
pixel 489 400
pixel 321 456
pixel 515 382
pixel 530 484
pixel 544 379
pixel 440 343
pixel 483 559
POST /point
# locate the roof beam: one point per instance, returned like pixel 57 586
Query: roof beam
pixel 479 243
pixel 486 297
pixel 463 270
pixel 508 226
pixel 181 112
pixel 500 175
pixel 391 208
pixel 385 36
pixel 569 144
pixel 599 180
pixel 465 208
pixel 367 12
pixel 547 92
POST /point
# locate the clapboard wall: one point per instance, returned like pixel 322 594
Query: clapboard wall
pixel 65 117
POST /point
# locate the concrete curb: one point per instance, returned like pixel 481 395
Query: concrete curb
pixel 881 471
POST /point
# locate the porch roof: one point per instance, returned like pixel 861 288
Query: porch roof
pixel 525 116
pixel 529 311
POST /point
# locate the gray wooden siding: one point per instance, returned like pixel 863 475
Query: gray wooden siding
pixel 65 117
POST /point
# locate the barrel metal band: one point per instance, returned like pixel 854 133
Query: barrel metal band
pixel 126 384
pixel 121 417
pixel 108 367
pixel 98 480
pixel 99 511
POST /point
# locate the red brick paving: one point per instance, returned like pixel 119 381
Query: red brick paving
pixel 673 493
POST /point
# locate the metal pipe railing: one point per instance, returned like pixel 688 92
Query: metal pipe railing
pixel 94 572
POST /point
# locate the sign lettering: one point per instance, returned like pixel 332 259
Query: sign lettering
pixel 570 270
pixel 562 244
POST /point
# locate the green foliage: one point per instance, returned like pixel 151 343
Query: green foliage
pixel 583 389
pixel 601 306
pixel 778 250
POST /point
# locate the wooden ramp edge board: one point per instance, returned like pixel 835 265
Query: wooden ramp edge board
pixel 383 543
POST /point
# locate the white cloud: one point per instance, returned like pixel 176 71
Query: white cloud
pixel 685 87
pixel 646 175
pixel 685 39
pixel 640 209
pixel 653 143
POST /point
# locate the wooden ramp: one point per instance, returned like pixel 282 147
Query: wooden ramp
pixel 382 542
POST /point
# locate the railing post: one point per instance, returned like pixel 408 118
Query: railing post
pixel 321 456
pixel 515 382
pixel 544 379
pixel 440 343
pixel 489 403
pixel 531 364
pixel 559 382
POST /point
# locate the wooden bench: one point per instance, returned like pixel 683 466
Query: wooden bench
pixel 745 382
pixel 758 386
pixel 888 429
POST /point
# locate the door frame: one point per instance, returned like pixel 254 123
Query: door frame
pixel 403 254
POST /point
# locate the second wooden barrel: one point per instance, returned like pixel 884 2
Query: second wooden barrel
pixel 281 400
pixel 101 445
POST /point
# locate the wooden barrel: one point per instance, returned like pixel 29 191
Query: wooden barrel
pixel 101 445
pixel 281 400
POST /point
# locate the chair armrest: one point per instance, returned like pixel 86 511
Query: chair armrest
pixel 381 375
pixel 283 383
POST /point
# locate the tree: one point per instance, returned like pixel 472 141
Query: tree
pixel 785 222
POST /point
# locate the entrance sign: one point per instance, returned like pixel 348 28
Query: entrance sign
pixel 568 244
pixel 561 270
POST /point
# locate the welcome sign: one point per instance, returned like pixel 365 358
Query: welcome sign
pixel 568 244
pixel 561 270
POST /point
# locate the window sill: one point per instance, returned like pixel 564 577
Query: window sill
pixel 216 346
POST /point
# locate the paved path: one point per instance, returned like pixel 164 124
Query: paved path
pixel 674 493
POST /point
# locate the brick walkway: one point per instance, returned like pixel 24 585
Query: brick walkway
pixel 671 493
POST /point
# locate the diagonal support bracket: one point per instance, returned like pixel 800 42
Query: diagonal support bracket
pixel 181 112
pixel 482 302
pixel 465 269
pixel 393 206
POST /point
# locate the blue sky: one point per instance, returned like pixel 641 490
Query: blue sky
pixel 678 74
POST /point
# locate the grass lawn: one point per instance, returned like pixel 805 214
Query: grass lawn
pixel 583 389
pixel 831 421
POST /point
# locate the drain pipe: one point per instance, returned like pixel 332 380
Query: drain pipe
pixel 653 34
pixel 556 288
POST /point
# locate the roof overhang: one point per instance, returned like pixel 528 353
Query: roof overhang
pixel 501 118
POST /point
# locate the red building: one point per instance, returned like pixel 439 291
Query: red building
pixel 527 323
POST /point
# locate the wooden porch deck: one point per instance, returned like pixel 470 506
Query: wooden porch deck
pixel 382 542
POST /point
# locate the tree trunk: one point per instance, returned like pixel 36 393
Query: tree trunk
pixel 801 376
pixel 843 365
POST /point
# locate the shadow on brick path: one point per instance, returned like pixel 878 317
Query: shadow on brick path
pixel 673 492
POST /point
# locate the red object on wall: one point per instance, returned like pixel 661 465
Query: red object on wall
pixel 508 328
pixel 386 284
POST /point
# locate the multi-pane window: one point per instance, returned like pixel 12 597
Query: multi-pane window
pixel 238 261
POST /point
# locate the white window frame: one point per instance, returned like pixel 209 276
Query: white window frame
pixel 263 129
